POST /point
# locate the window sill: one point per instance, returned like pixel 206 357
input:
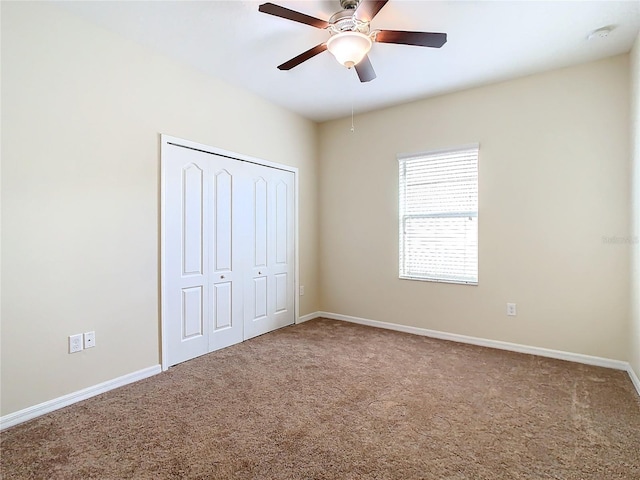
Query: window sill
pixel 438 280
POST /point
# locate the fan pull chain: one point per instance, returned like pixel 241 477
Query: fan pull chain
pixel 353 128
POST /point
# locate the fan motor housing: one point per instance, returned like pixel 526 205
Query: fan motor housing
pixel 345 21
pixel 349 4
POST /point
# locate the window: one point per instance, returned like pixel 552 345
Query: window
pixel 439 215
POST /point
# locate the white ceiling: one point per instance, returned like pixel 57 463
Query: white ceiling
pixel 488 41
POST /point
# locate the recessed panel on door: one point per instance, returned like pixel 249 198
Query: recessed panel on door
pixel 191 312
pixel 222 306
pixel 281 292
pixel 260 295
pixel 192 217
pixel 223 212
pixel 260 219
pixel 281 222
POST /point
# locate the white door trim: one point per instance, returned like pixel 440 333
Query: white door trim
pixel 165 141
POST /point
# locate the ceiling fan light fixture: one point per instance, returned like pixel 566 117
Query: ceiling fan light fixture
pixel 349 48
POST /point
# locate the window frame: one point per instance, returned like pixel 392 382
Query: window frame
pixel 402 217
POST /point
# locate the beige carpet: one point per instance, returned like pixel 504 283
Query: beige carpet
pixel 332 400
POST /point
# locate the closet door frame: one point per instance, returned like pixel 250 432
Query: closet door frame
pixel 165 141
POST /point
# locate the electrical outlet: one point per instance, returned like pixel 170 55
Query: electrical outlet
pixel 89 339
pixel 301 290
pixel 511 309
pixel 75 343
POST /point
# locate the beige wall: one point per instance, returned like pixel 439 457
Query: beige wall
pixel 634 356
pixel 82 110
pixel 554 168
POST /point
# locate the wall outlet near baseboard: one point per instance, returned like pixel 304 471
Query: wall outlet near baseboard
pixel 511 309
pixel 75 343
pixel 302 290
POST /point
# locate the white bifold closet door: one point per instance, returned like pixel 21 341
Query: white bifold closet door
pixel 229 251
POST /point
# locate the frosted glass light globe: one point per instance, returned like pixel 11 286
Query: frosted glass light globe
pixel 349 48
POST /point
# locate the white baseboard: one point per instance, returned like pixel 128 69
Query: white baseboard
pixel 634 378
pixel 306 318
pixel 49 406
pixel 483 342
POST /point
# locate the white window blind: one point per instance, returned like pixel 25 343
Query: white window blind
pixel 439 215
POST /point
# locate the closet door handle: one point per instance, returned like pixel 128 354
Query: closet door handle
pixel 221 276
pixel 259 273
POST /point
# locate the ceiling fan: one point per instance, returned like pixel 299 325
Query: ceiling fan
pixel 351 36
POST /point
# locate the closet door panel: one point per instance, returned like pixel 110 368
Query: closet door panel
pixel 186 291
pixel 282 253
pixel 226 318
pixel 269 303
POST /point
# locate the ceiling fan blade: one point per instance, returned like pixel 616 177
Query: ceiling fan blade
pixel 303 57
pixel 365 70
pixel 283 12
pixel 420 39
pixel 367 9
